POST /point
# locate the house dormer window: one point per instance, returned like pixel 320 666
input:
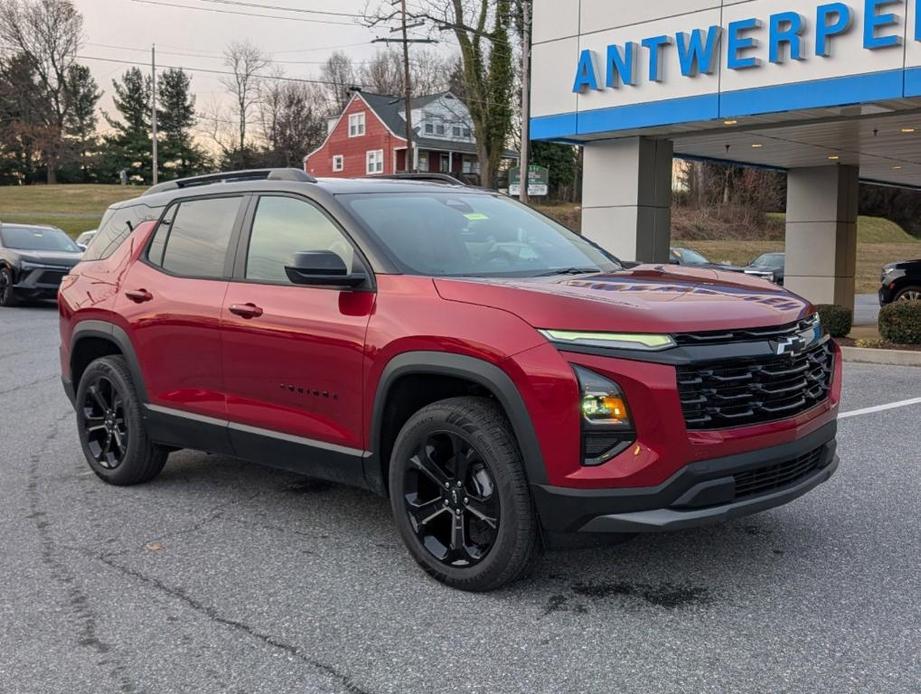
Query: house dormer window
pixel 429 128
pixel 357 124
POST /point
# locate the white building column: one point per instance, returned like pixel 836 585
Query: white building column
pixel 821 238
pixel 627 197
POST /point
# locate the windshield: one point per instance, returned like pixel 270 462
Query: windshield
pixel 769 260
pixel 36 239
pixel 473 235
pixel 689 257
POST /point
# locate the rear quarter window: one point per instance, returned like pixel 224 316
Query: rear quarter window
pixel 116 226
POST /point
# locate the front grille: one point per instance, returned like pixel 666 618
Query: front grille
pixel 766 479
pixel 736 392
pixel 747 334
pixel 51 277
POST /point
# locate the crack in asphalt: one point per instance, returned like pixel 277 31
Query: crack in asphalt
pixel 214 514
pixel 78 600
pixel 23 386
pixel 213 615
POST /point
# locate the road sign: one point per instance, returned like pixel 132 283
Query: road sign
pixel 538 181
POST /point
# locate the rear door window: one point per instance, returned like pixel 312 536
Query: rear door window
pixel 196 242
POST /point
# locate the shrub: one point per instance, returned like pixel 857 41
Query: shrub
pixel 901 322
pixel 837 321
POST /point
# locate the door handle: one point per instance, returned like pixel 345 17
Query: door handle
pixel 139 296
pixel 246 311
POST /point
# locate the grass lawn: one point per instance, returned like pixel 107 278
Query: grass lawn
pixel 73 208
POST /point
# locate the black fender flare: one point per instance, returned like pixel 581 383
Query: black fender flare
pixel 117 336
pixel 481 372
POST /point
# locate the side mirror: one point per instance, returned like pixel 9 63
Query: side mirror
pixel 81 246
pixel 323 269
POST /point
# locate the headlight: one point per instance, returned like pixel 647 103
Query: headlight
pixel 607 429
pixel 636 341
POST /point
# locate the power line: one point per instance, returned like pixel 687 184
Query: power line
pixel 283 9
pixel 245 14
pixel 277 78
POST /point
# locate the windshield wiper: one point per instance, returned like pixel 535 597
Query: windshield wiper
pixel 570 271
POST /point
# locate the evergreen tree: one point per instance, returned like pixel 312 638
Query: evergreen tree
pixel 176 118
pixel 82 95
pixel 24 112
pixel 130 145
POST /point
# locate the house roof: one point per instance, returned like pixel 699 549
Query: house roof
pixel 390 110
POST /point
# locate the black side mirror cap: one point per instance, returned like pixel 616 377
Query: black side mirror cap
pixel 323 269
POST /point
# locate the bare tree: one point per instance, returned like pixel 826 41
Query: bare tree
pixel 383 74
pixel 294 122
pixel 247 63
pixel 339 72
pixel 481 28
pixel 48 33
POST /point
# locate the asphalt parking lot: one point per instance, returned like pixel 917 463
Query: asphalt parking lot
pixel 221 576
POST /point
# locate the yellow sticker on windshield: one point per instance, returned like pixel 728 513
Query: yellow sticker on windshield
pixel 476 217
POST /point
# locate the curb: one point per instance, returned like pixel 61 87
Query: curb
pixel 887 357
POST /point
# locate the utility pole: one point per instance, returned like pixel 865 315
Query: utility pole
pixel 153 112
pixel 525 161
pixel 408 92
pixel 404 28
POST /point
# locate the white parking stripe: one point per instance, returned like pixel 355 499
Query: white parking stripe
pixel 880 408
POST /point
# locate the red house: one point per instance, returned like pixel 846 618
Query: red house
pixel 368 138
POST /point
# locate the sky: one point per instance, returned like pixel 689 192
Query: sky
pixel 124 30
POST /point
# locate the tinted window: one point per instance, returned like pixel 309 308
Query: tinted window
pixel 689 257
pixel 769 260
pixel 196 245
pixel 476 235
pixel 116 226
pixel 285 226
pixel 36 239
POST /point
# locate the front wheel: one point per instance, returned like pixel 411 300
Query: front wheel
pixel 460 497
pixel 111 425
pixel 7 293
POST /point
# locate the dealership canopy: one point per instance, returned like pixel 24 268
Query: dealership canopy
pixel 829 91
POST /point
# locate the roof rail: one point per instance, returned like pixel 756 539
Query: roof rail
pixel 292 175
pixel 447 179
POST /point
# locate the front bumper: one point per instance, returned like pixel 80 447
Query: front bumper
pixel 699 494
pixel 41 281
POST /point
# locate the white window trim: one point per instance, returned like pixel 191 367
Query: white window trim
pixel 338 163
pixel 358 122
pixel 378 155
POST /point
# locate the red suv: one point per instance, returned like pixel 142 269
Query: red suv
pixel 500 378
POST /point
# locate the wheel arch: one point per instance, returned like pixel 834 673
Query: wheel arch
pixel 85 341
pixel 482 374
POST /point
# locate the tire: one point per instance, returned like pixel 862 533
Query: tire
pixel 111 426
pixel 466 440
pixel 8 296
pixel 909 294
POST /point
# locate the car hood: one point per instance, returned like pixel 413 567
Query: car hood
pixel 644 299
pixel 61 258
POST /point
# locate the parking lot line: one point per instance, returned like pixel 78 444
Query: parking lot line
pixel 880 408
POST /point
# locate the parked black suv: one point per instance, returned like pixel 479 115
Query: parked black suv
pixel 33 261
pixel 900 281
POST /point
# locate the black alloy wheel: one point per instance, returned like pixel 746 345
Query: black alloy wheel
pixel 111 425
pixel 451 501
pixel 460 497
pixel 105 429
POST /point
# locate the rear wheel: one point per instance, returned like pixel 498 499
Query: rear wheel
pixel 909 294
pixel 7 293
pixel 460 497
pixel 111 426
